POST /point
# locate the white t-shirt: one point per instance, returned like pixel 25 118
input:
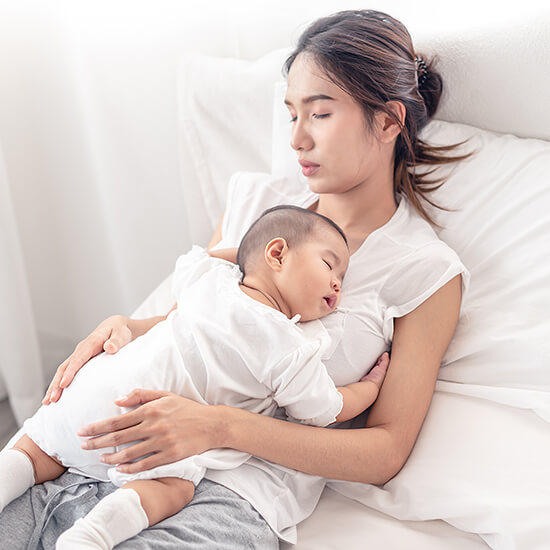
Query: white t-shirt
pixel 220 346
pixel 397 267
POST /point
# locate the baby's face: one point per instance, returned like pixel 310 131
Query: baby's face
pixel 314 274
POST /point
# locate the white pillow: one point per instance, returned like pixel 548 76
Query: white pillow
pixel 225 122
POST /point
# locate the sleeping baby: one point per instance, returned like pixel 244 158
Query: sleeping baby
pixel 234 339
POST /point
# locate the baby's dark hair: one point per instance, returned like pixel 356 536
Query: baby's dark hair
pixel 292 223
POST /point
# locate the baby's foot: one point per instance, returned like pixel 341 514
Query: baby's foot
pixel 378 372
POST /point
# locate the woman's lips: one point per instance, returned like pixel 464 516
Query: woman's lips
pixel 308 168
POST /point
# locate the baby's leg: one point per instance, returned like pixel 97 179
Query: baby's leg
pixel 23 466
pixel 163 497
pixel 126 512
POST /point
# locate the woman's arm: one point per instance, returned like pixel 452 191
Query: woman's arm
pixel 173 427
pixel 110 335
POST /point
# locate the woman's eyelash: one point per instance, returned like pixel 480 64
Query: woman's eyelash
pixel 294 118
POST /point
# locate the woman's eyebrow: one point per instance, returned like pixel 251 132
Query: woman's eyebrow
pixel 312 98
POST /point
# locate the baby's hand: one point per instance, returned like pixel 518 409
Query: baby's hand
pixel 378 372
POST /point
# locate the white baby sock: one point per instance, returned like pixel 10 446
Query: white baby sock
pixel 118 517
pixel 16 475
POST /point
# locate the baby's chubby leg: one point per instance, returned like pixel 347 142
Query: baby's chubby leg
pixel 163 497
pixel 126 512
pixel 23 466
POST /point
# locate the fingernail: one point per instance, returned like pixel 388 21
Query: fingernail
pixel 102 458
pixel 121 398
pixel 84 445
pixel 82 432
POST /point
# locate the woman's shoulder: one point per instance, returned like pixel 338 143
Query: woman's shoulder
pixel 250 193
pixel 421 264
pixel 264 186
pixel 410 231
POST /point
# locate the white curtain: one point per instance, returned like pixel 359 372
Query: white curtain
pixel 88 127
pixel 20 362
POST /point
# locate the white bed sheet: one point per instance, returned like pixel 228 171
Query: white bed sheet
pixel 339 522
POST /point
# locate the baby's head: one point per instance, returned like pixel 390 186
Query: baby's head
pixel 299 253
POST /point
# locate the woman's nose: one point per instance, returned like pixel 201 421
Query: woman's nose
pixel 300 139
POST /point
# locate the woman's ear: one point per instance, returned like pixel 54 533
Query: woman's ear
pixel 275 253
pixel 387 125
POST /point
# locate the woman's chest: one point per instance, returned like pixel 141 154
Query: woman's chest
pixel 355 330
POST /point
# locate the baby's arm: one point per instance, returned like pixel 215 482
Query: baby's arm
pixel 359 396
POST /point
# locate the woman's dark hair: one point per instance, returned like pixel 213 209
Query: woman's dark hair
pixel 370 56
pixel 292 223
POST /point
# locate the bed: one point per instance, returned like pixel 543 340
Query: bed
pixel 479 475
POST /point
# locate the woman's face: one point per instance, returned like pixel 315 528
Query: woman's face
pixel 329 133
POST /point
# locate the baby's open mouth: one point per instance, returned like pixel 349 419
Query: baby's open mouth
pixel 330 300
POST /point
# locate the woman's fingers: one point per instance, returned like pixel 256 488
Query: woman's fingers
pixel 151 461
pixel 139 397
pixel 110 428
pixel 126 455
pixel 118 338
pixel 110 335
pixel 84 351
pixel 166 426
pixel 54 384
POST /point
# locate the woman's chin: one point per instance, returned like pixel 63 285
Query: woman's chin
pixel 318 185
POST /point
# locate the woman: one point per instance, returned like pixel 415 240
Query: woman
pixel 357 96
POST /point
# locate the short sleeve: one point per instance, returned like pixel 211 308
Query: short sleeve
pixel 302 386
pixel 191 266
pixel 415 278
pixel 249 194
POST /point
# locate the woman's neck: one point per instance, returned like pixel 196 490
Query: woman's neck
pixel 359 211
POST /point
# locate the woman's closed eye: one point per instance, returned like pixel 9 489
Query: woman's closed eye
pixel 315 115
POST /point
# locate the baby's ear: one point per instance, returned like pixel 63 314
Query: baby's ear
pixel 275 252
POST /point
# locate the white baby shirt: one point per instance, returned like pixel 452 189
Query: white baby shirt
pixel 220 346
pixel 398 267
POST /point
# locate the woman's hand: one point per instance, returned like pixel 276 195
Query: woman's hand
pixel 110 335
pixel 167 425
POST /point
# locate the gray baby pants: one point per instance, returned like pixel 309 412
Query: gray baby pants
pixel 216 518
